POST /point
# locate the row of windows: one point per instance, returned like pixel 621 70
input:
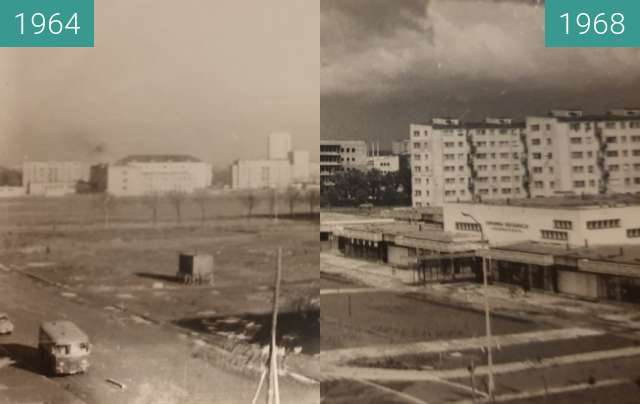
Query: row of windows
pixel 562 224
pixel 554 235
pixel 603 224
pixel 462 226
pixel 633 233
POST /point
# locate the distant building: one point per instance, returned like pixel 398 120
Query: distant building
pixel 53 178
pixel 385 164
pixel 400 147
pixel 255 174
pixel 145 174
pixel 340 155
pixel 283 167
pixel 565 153
pixel 279 146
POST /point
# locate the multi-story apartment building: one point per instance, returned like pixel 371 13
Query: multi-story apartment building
pixel 563 153
pixel 452 161
pixel 339 155
pixel 569 152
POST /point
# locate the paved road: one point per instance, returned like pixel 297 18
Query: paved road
pixel 157 363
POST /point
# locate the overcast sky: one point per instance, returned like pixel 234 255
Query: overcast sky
pixel 386 64
pixel 201 77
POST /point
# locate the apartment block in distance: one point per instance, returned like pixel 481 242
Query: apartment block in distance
pixel 282 168
pixel 573 153
pixel 340 155
pixel 453 161
pixel 53 178
pixel 147 174
pixel 564 153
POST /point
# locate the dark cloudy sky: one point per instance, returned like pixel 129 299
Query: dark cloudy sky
pixel 207 78
pixel 386 64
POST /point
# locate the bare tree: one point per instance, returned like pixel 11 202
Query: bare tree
pixel 273 203
pixel 202 197
pixel 250 200
pixel 177 198
pixel 152 201
pixel 313 198
pixel 293 195
pixel 106 202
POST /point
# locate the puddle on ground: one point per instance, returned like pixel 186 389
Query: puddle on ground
pixel 295 329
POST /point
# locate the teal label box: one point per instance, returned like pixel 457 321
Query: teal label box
pixel 46 23
pixel 592 23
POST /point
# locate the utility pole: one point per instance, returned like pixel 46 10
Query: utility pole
pixel 273 396
pixel 487 309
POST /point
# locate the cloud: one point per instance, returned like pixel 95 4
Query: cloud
pixel 383 49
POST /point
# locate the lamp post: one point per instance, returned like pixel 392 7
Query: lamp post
pixel 487 315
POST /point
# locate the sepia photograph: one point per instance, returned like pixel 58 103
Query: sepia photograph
pixel 480 203
pixel 159 204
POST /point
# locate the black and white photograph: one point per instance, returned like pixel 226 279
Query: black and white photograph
pixel 159 208
pixel 480 207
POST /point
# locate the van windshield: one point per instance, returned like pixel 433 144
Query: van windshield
pixel 60 349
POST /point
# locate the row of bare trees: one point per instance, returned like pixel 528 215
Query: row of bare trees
pixel 177 199
pixel 293 196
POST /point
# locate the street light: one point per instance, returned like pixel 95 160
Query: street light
pixel 487 317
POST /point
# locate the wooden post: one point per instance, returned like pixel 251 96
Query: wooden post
pixel 274 392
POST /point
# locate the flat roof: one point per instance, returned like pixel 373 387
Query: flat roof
pixel 567 202
pixel 64 332
pixel 416 231
pixel 475 125
pixel 619 253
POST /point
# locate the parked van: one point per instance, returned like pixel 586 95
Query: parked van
pixel 64 348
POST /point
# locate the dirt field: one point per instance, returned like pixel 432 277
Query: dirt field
pixel 383 317
pixel 88 209
pixel 128 270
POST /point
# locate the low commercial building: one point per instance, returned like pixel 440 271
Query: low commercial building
pixel 145 174
pixel 587 246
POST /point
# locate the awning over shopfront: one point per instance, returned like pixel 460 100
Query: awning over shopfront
pixel 609 268
pixel 516 256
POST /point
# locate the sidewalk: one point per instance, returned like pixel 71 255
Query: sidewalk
pixel 546 307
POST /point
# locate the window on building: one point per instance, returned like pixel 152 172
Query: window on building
pixel 538 184
pixel 611 139
pixel 533 128
pixel 577 169
pixel 449 144
pixel 464 226
pixel 590 169
pixel 578 184
pixel 417 192
pixel 576 155
pixel 554 235
pixel 633 233
pixel 562 224
pixel 612 153
pixel 535 141
pixel 537 156
pixel 574 126
pixel 537 170
pixel 603 224
pixel 636 153
pixel 576 140
pixel 614 167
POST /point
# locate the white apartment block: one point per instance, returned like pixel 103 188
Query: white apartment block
pixel 53 178
pixel 257 174
pixel 148 174
pixel 452 161
pixel 339 155
pixel 569 152
pixel 563 153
